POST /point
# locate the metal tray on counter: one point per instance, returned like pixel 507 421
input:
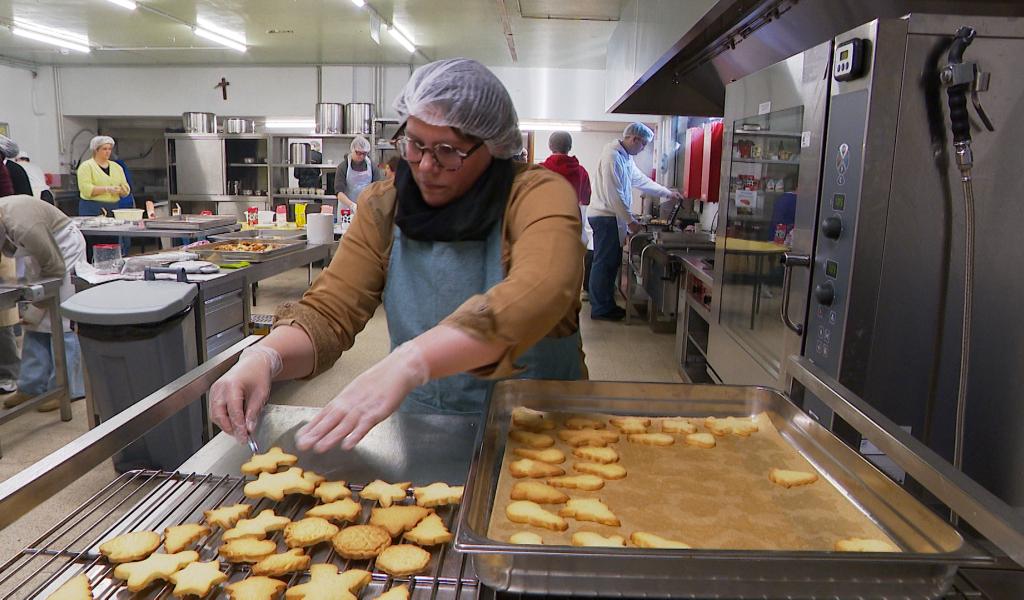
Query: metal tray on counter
pixel 190 222
pixel 260 234
pixel 222 250
pixel 931 550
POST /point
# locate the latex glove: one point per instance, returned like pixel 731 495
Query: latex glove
pixel 124 189
pixel 238 397
pixel 366 401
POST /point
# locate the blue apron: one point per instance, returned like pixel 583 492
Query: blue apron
pixel 427 281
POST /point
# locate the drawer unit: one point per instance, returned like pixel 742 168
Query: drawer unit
pixel 224 311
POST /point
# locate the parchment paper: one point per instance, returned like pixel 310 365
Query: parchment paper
pixel 717 498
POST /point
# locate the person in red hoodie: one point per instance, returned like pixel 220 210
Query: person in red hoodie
pixel 560 143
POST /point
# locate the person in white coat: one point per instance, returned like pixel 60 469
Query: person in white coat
pixel 609 211
pixel 45 243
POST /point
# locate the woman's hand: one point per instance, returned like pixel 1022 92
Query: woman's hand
pixel 368 400
pixel 238 397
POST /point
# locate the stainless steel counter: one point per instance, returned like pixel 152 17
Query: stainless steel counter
pixel 404 447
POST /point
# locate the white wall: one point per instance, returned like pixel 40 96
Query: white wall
pixel 166 91
pixel 27 104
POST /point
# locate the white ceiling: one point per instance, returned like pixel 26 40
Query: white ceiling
pixel 547 33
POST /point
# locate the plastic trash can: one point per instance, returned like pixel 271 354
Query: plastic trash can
pixel 136 337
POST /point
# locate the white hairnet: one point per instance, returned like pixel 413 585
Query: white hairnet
pixel 466 95
pixel 359 144
pixel 100 140
pixel 8 147
pixel 638 130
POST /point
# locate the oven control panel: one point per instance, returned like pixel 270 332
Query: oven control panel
pixel 838 209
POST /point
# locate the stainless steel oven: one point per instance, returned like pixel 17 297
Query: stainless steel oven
pixel 772 147
pixel 877 242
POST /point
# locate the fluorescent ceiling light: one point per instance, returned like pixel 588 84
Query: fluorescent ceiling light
pixel 215 33
pixel 401 38
pixel 289 123
pixel 359 3
pixel 50 35
pixel 216 37
pixel 550 126
pixel 129 4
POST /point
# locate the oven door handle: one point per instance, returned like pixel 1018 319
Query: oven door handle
pixel 790 261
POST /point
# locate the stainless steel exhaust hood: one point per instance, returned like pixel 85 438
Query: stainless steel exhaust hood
pixel 738 37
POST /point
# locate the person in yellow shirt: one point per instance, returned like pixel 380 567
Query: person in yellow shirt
pixel 101 181
pixel 101 185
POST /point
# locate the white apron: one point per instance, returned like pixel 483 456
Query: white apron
pixel 358 180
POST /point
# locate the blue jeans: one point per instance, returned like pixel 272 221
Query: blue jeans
pixel 607 257
pixel 37 373
pixel 92 208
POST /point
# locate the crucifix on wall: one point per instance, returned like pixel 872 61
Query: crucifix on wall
pixel 223 85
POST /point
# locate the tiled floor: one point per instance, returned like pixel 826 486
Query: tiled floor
pixel 614 352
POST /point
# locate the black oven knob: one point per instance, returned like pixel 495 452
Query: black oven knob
pixel 832 227
pixel 825 293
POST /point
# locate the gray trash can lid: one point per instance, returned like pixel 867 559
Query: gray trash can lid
pixel 130 302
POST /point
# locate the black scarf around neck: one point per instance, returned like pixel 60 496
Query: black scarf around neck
pixel 469 218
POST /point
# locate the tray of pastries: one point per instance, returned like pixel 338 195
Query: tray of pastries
pixel 723 491
pixel 251 250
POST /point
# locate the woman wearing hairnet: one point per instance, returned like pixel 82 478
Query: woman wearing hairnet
pixel 477 261
pixel 101 181
pixel 354 174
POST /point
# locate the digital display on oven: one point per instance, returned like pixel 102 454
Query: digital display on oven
pixel 838 201
pixel 832 268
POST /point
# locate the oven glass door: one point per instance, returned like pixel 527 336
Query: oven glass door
pixel 762 207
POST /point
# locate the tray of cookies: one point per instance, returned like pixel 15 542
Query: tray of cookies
pixel 598 488
pixel 250 250
pixel 275 531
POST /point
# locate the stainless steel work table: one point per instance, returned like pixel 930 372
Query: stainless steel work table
pixel 47 292
pixel 139 231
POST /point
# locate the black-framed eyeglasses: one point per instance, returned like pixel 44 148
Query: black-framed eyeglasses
pixel 446 156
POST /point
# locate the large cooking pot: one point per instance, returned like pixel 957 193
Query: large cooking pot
pixel 359 118
pixel 330 117
pixel 298 153
pixel 199 122
pixel 239 125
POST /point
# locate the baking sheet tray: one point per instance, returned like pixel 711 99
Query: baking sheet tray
pixel 260 234
pixel 717 498
pixel 189 222
pixel 931 549
pixel 281 247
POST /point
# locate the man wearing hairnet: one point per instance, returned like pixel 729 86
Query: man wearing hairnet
pixel 19 178
pixel 609 213
pixel 355 173
pixel 476 259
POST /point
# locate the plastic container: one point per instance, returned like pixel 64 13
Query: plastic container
pixel 107 258
pixel 128 214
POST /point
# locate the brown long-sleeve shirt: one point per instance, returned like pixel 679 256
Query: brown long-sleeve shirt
pixel 541 254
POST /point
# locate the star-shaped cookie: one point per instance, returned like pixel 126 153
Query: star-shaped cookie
pixel 385 493
pixel 157 566
pixel 197 578
pixel 269 461
pixel 329 491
